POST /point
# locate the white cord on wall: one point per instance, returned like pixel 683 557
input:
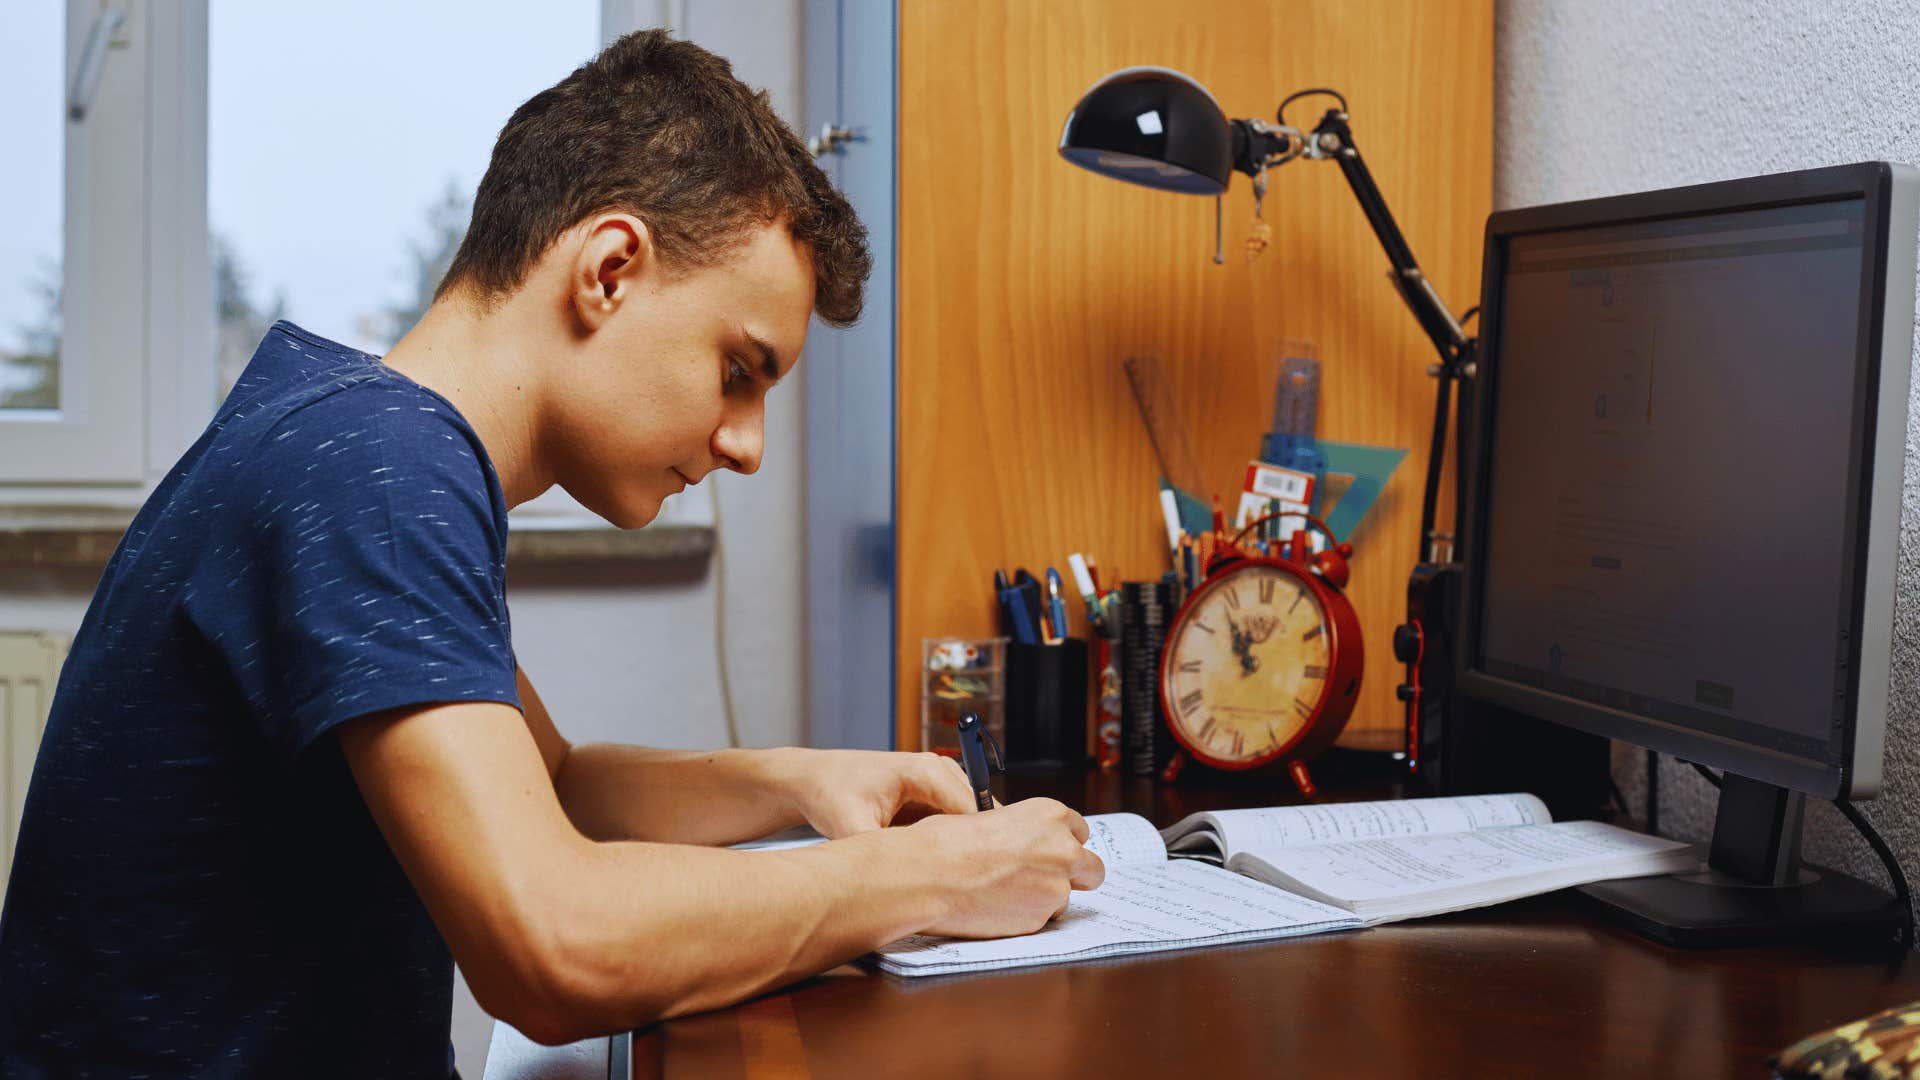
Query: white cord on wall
pixel 720 618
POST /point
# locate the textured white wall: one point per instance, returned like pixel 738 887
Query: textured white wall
pixel 1599 99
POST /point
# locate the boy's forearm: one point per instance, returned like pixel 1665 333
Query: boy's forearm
pixel 654 930
pixel 615 792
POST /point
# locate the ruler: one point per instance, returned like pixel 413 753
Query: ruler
pixel 1164 429
pixel 1296 396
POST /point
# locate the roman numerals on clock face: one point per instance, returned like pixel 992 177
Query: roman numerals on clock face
pixel 1247 665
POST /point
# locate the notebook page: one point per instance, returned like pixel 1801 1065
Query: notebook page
pixel 1125 839
pixel 1273 828
pixel 1138 909
pixel 1380 869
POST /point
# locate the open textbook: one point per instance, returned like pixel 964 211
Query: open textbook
pixel 1251 875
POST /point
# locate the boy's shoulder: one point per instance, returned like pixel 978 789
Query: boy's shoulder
pixel 321 406
pixel 295 371
pixel 315 431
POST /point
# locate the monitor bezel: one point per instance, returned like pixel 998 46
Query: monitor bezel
pixel 1853 764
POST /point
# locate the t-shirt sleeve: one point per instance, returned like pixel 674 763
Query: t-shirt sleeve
pixel 359 565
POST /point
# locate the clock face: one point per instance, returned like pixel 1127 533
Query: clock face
pixel 1247 665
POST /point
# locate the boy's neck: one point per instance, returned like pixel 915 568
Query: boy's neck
pixel 482 362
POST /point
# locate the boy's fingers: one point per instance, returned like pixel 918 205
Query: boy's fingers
pixel 943 785
pixel 1088 871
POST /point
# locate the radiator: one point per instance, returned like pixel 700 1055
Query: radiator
pixel 29 667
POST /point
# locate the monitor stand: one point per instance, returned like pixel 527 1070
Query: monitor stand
pixel 1754 889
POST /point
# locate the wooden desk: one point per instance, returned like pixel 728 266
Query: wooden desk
pixel 1526 989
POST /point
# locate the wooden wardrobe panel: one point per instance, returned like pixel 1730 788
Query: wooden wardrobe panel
pixel 1023 282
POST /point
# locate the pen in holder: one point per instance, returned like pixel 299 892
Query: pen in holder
pixel 1046 704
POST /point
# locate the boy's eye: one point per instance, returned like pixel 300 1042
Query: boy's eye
pixel 734 371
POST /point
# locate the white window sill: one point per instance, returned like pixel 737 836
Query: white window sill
pixel 84 537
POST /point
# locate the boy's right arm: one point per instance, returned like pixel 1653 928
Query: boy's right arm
pixel 566 938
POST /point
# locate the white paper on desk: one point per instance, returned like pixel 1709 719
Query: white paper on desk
pixel 1275 827
pixel 1544 857
pixel 1139 909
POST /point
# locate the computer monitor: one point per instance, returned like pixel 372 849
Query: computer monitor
pixel 1683 501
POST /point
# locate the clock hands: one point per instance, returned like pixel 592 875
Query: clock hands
pixel 1243 647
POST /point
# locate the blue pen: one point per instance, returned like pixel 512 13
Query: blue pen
pixel 974 740
pixel 1055 605
pixel 1019 616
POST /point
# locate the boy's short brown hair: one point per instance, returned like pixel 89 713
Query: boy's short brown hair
pixel 659 128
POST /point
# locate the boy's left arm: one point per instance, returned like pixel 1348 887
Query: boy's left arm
pixel 616 792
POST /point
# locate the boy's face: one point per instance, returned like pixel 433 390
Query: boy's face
pixel 672 384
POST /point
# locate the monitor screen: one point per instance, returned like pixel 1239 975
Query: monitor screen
pixel 1668 522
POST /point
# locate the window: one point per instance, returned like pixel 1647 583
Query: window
pixel 340 175
pixel 32 78
pixel 99 273
pixel 236 163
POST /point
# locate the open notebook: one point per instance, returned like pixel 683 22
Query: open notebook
pixel 1252 875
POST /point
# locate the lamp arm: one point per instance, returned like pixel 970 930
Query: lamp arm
pixel 1257 146
pixel 1334 139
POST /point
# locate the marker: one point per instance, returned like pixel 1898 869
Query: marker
pixel 1170 510
pixel 1083 579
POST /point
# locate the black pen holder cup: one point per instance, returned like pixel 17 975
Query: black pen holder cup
pixel 1046 705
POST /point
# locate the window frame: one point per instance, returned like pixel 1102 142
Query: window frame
pixel 136 324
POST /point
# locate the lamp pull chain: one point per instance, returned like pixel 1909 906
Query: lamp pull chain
pixel 1261 233
pixel 1218 256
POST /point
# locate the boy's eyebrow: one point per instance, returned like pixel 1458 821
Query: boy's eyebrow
pixel 769 360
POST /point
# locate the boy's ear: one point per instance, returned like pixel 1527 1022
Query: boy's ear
pixel 616 253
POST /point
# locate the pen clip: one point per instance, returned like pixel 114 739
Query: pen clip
pixel 995 759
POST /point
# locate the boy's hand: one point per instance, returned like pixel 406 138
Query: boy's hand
pixel 1010 870
pixel 843 792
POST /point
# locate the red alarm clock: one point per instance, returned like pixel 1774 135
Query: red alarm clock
pixel 1263 660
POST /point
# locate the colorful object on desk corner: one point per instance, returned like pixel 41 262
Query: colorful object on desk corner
pixel 1264 658
pixel 1884 1046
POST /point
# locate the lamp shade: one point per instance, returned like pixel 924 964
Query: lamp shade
pixel 1151 126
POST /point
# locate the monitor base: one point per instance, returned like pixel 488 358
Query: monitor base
pixel 1709 909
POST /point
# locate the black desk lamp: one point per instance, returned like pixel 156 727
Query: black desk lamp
pixel 1161 129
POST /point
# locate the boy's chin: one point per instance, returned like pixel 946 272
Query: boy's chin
pixel 632 512
pixel 634 515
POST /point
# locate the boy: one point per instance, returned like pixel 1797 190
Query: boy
pixel 292 771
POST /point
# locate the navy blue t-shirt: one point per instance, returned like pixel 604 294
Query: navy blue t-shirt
pixel 198 888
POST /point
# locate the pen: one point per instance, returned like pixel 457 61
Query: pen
pixel 1056 607
pixel 973 754
pixel 1019 618
pixel 1028 588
